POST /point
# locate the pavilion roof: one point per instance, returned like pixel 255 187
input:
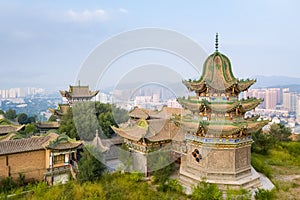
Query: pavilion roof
pixel 63 142
pixel 54 125
pixel 79 91
pixel 61 110
pixel 4 129
pixel 164 113
pixel 152 130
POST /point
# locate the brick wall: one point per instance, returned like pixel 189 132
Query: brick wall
pixel 32 164
pixel 3 167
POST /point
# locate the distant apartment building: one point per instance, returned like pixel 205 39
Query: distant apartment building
pixel 141 100
pixel 19 92
pixel 103 98
pixel 173 103
pixel 271 97
pixel 290 100
pixel 298 108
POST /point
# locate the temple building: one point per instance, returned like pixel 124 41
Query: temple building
pixel 217 134
pixel 52 158
pixel 148 131
pixel 75 94
pixel 78 93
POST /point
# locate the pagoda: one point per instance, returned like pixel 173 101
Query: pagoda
pixel 75 94
pixel 217 134
pixel 78 93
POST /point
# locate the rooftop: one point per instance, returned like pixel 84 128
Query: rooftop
pixel 23 145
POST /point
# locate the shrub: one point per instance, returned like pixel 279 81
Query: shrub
pixel 206 191
pixel 241 194
pixel 262 194
pixel 260 166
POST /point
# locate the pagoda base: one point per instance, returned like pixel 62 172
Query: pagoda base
pixel 225 163
pixel 252 181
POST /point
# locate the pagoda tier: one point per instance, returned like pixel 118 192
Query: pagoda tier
pixel 217 77
pixel 78 93
pixel 223 128
pixel 60 111
pixel 233 87
pixel 217 105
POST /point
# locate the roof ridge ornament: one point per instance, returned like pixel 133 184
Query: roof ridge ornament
pixel 217 40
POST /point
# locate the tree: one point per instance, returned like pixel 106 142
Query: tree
pixel 262 142
pixel 206 191
pixel 67 125
pixel 90 165
pixel 30 129
pixel 110 115
pixel 10 114
pixel 83 119
pixel 162 166
pixel 32 119
pixel 22 118
pixel 2 112
pixel 280 132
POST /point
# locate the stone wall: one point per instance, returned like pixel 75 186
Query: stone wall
pixel 217 162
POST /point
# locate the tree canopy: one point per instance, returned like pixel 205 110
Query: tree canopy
pixel 280 132
pixel 10 114
pixel 83 119
pixel 90 165
pixel 22 118
pixel 262 142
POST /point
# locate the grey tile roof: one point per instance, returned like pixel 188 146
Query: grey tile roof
pixel 4 129
pixel 22 145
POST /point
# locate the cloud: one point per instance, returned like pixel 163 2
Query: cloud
pixel 87 15
pixel 123 10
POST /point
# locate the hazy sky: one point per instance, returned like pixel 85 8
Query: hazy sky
pixel 44 43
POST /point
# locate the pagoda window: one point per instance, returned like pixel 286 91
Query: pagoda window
pixel 59 159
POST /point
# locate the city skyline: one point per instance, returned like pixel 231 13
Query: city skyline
pixel 45 43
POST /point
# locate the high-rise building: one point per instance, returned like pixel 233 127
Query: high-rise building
pixel 272 98
pixel 286 100
pixel 293 104
pixel 290 101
